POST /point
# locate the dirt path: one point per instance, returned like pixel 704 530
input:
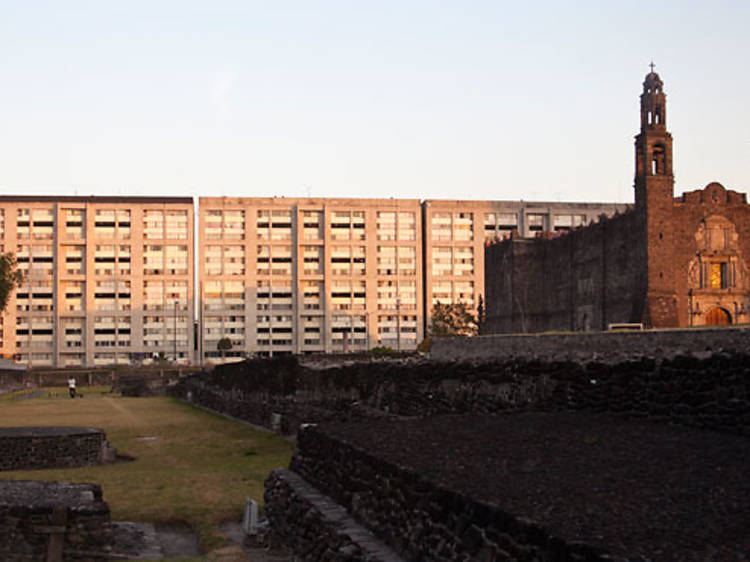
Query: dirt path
pixel 127 414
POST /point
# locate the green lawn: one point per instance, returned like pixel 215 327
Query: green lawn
pixel 190 465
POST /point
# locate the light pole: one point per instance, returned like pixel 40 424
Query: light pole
pixel 176 304
pixel 116 310
pixel 367 330
pixel 351 333
pixel 398 323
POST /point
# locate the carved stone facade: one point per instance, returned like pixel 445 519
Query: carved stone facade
pixel 668 262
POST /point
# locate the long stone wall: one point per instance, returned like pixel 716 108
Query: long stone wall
pixel 414 515
pixel 280 394
pixel 11 380
pixel 609 347
pixel 153 377
pixel 52 447
pixel 711 392
pixel 53 521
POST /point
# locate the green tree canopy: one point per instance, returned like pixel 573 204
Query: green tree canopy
pixel 10 278
pixel 481 316
pixel 224 345
pixel 454 319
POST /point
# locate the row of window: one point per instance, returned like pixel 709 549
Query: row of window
pixel 276 224
pixel 108 259
pixel 39 224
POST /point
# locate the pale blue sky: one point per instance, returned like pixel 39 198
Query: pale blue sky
pixel 479 100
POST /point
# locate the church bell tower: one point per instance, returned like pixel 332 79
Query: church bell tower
pixel 654 201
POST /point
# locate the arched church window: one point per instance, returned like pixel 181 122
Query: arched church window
pixel 718 275
pixel 658 164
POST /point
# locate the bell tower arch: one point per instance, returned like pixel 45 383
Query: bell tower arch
pixel 654 201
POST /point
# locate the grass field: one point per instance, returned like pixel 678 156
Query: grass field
pixel 190 465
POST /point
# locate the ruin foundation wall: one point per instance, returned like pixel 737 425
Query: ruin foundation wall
pixel 707 392
pixel 53 521
pixel 608 347
pixel 29 448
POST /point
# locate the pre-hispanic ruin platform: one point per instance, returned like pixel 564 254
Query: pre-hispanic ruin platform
pixel 528 485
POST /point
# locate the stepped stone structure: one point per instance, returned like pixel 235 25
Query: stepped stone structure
pixel 602 458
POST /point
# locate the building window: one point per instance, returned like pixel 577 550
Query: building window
pixel 463 227
pixel 312 225
pixel 441 227
pixel 153 225
pixel 535 222
pixel 718 275
pixel 177 225
pixel 74 223
pixel 567 222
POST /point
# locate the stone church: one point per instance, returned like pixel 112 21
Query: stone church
pixel 667 262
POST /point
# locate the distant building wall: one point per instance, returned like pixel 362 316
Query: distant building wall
pixel 107 280
pixel 582 280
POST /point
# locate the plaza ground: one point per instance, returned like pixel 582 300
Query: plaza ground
pixel 190 466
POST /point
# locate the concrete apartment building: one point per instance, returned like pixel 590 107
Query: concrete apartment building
pixel 111 279
pixel 306 275
pixel 107 280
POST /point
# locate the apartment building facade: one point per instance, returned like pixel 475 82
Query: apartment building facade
pixel 308 275
pixel 112 280
pixel 107 280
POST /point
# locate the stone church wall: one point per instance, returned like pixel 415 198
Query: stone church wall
pixel 582 280
pixel 691 214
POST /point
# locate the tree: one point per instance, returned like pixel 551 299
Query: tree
pixel 10 278
pixel 481 316
pixel 224 345
pixel 453 319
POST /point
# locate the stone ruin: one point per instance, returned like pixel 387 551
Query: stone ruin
pixel 23 448
pixel 516 459
pixel 53 521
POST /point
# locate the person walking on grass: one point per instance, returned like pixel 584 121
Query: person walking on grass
pixel 72 386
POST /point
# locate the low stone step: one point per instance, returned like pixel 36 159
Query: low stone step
pixel 315 527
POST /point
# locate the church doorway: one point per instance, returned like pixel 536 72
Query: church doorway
pixel 718 317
